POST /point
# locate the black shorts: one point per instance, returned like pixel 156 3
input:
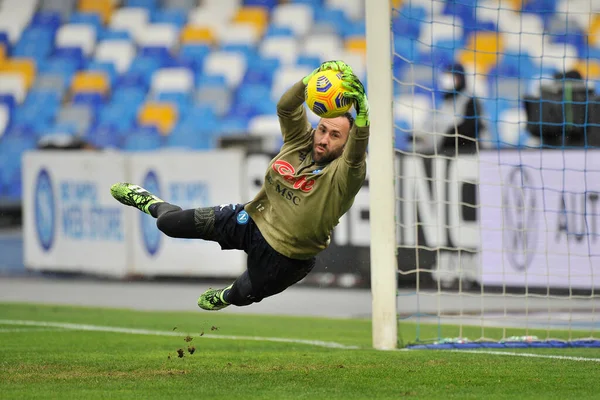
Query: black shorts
pixel 268 272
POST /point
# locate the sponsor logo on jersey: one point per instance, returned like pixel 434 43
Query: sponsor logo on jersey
pixel 287 171
pixel 242 218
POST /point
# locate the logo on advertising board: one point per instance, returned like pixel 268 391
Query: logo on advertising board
pixel 45 215
pixel 150 233
pixel 519 209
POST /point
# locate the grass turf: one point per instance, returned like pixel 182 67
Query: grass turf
pixel 49 362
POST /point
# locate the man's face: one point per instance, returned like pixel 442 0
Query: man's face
pixel 330 138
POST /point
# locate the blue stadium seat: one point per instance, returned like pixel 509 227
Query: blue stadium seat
pixel 92 19
pixel 105 136
pixel 183 101
pixel 11 150
pixel 274 30
pixel 269 4
pixel 150 5
pixel 233 125
pixel 107 67
pixel 142 139
pixel 74 55
pixel 113 34
pixel 187 137
pixel 47 19
pixel 177 17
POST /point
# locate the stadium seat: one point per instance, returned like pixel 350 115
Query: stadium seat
pixel 561 57
pixel 142 140
pixel 212 16
pixel 256 16
pixel 321 45
pixel 187 137
pixel 103 8
pixel 218 98
pixel 132 20
pixel 76 35
pixel 22 66
pixel 193 34
pixel 90 82
pixel 239 34
pixel 441 28
pixel 356 44
pixel 79 116
pixel 119 52
pixel 353 9
pixel 14 84
pixel 588 68
pixel 4 118
pixel 226 9
pixel 182 5
pixel 150 5
pixel 87 18
pixel 172 80
pixel 286 77
pixel 481 53
pixel 231 65
pixel 104 136
pixel 162 116
pixel 158 35
pixel 267 125
pixel 511 126
pixel 283 48
pixel 175 16
pixel 298 17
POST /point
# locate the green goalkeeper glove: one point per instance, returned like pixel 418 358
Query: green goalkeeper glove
pixel 327 65
pixel 356 94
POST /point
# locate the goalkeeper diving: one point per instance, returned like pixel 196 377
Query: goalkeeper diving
pixel 308 186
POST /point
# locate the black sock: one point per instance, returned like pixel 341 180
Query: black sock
pixel 158 209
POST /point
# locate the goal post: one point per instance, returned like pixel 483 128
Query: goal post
pixel 484 173
pixel 381 175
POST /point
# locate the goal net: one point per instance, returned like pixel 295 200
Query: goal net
pixel 497 167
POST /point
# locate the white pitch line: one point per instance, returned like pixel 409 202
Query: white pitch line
pixel 531 355
pixel 97 328
pixel 19 330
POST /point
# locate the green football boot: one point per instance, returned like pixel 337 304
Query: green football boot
pixel 134 195
pixel 212 299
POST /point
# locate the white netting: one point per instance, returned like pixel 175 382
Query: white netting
pixel 498 174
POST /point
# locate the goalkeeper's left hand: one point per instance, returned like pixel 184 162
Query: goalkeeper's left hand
pixel 335 65
pixel 355 92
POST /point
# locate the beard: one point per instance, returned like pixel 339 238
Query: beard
pixel 327 156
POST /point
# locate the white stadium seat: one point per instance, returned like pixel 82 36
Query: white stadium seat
pixel 296 16
pixel 229 64
pixel 158 35
pixel 322 45
pixel 285 77
pixel 283 48
pixel 267 124
pixel 119 52
pixel 354 9
pixel 14 85
pixel 77 35
pixel 172 80
pixel 4 118
pixel 238 34
pixel 441 28
pixel 130 19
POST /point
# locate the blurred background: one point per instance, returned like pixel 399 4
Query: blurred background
pixel 151 75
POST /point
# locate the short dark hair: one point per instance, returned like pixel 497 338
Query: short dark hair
pixel 349 117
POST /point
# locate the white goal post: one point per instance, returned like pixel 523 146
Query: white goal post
pixel 381 175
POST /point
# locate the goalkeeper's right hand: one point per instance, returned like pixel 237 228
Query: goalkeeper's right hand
pixel 355 92
pixel 335 65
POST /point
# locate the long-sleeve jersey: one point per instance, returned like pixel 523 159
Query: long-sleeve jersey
pixel 301 201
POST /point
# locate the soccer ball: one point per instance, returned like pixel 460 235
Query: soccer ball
pixel 324 94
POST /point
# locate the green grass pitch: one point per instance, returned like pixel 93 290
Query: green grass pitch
pixel 92 353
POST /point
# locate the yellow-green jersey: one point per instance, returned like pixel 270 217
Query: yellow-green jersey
pixel 301 201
